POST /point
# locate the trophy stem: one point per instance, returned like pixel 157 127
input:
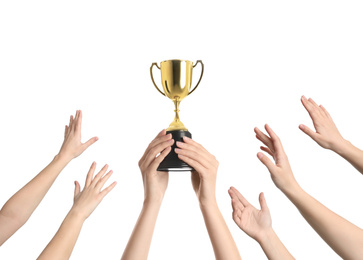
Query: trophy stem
pixel 176 103
pixel 176 124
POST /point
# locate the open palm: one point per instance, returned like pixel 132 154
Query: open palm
pixel 252 221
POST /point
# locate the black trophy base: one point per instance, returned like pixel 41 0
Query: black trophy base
pixel 172 163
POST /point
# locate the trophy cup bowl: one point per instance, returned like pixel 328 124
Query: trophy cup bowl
pixel 176 78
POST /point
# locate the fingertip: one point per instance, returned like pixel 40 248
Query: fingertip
pixel 302 127
pixel 186 139
pixel 260 155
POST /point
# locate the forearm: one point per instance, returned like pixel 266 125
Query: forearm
pixel 22 204
pixel 273 247
pixel 351 153
pixel 62 244
pixel 222 241
pixel 343 237
pixel 140 240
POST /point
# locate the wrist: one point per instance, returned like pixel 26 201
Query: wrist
pixel 208 203
pixel 64 158
pixel 291 189
pixel 152 202
pixel 342 148
pixel 76 215
pixel 266 237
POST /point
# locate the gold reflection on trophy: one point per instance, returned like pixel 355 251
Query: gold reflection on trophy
pixel 176 78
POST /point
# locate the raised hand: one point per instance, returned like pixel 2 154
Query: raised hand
pixel 205 165
pixel 18 209
pixel 155 182
pixel 280 171
pixel 87 200
pixel 72 146
pixel 326 133
pixel 255 223
pixel 204 184
pixel 258 225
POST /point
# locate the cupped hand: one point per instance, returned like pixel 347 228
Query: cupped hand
pixel 155 182
pixel 326 133
pixel 72 146
pixel 87 200
pixel 205 165
pixel 280 171
pixel 255 223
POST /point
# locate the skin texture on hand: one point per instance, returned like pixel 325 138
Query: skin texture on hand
pixel 280 171
pixel 258 225
pixel 328 136
pixel 204 184
pixel 72 146
pixel 18 209
pixel 206 166
pixel 155 184
pixel 343 237
pixel 85 202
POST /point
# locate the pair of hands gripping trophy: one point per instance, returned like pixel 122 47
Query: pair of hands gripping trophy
pixel 18 209
pixel 155 184
pixel 343 237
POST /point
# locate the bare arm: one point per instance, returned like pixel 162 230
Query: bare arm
pixel 258 225
pixel 85 202
pixel 22 204
pixel 343 237
pixel 155 184
pixel 328 136
pixel 204 184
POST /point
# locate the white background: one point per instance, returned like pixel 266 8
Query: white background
pixel 259 56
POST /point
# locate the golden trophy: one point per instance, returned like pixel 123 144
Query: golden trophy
pixel 176 78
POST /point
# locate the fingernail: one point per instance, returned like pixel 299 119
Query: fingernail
pixel 180 144
pixel 177 150
pixel 303 97
pixel 259 155
pixel 171 141
pixel 169 135
pixel 186 137
pixel 301 127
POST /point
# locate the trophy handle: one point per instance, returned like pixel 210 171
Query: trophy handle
pixel 152 77
pixel 201 75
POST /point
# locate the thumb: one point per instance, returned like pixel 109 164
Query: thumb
pixel 263 203
pixel 266 161
pixel 90 142
pixel 308 131
pixel 77 188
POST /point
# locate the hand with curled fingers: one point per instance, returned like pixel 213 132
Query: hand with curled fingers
pixel 72 146
pixel 87 200
pixel 255 223
pixel 205 165
pixel 280 171
pixel 155 182
pixel 326 133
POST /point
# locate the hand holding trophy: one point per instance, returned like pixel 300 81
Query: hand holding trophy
pixel 176 78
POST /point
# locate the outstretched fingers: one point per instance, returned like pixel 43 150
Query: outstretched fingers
pixel 90 174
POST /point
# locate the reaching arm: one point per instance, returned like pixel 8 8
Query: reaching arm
pixel 258 225
pixel 155 184
pixel 22 204
pixel 85 202
pixel 328 136
pixel 343 237
pixel 204 184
